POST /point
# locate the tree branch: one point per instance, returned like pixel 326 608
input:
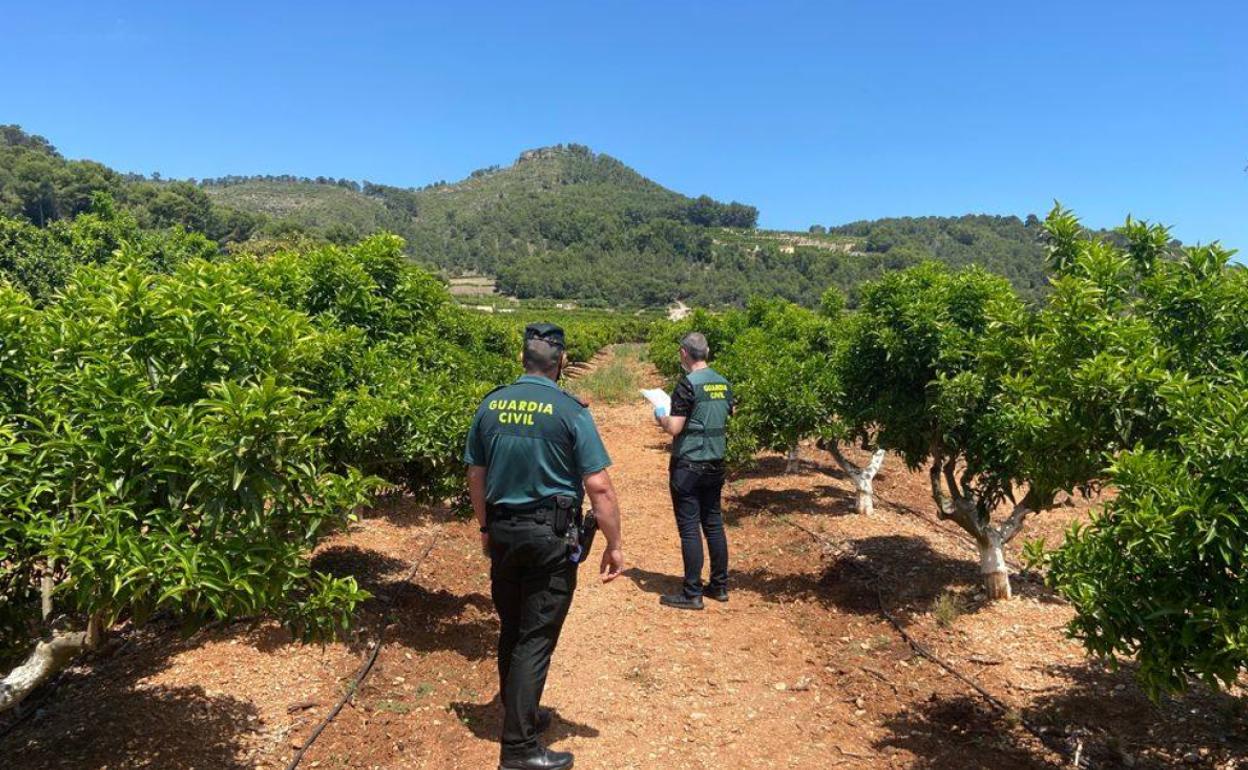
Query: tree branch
pixel 834 448
pixel 944 506
pixel 873 467
pixel 48 658
pixel 955 506
pixel 1014 524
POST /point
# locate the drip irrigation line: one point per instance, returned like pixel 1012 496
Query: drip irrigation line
pixel 363 671
pixel 1071 759
pixel 29 708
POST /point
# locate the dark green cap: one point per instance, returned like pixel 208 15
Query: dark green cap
pixel 546 332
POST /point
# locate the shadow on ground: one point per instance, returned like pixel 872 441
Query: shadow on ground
pixel 654 582
pixel 960 732
pixel 95 716
pixel 911 574
pixel 1103 711
pixel 824 500
pixel 403 510
pixel 1119 724
pixel 419 619
pixel 485 720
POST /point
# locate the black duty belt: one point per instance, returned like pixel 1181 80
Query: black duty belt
pixel 705 466
pixel 541 512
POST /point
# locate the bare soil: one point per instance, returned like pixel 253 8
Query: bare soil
pixel 798 670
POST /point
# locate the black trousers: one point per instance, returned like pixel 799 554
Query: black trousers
pixel 696 490
pixel 532 582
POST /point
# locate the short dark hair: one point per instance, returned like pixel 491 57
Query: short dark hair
pixel 694 344
pixel 541 357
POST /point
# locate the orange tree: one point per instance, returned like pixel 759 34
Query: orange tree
pixel 160 455
pixel 1148 349
pixel 178 437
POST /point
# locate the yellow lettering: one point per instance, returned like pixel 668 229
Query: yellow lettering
pixel 548 409
pixel 515 418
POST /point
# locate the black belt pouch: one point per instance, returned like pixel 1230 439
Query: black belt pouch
pixel 565 513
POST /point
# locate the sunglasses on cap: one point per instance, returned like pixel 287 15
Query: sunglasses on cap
pixel 546 332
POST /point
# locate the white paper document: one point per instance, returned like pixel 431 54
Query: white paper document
pixel 658 398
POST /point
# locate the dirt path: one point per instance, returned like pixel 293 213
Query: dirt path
pixel 797 671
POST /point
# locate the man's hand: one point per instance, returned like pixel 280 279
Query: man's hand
pixel 476 491
pixel 612 564
pixel 602 494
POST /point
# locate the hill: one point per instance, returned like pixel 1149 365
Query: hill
pixel 567 223
pixel 561 222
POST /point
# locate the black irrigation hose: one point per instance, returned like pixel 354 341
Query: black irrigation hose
pixel 1074 758
pixel 29 709
pixel 1021 570
pixel 363 672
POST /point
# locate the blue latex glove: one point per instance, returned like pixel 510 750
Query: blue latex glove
pixel 660 412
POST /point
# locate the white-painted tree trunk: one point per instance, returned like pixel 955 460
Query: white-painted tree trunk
pixel 47 659
pixel 792 460
pixel 865 504
pixel 992 567
pixel 863 478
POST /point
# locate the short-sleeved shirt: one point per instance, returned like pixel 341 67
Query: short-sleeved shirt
pixel 535 442
pixel 683 398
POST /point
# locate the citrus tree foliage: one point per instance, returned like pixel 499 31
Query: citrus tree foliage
pixel 777 362
pixel 922 367
pixel 402 367
pixel 178 433
pixel 782 361
pixel 1154 348
pixel 161 455
pixel 1158 574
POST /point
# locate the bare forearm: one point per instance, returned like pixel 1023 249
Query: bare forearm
pixel 672 426
pixel 606 506
pixel 607 511
pixel 476 491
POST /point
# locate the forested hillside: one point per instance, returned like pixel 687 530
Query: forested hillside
pixel 561 222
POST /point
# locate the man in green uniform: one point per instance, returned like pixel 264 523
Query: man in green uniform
pixel 701 405
pixel 533 453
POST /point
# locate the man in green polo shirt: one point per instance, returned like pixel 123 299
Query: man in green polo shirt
pixel 533 453
pixel 701 405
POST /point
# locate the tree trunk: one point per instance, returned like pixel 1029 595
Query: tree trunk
pixel 865 504
pixel 47 659
pixel 792 460
pixel 863 478
pixel 46 585
pixel 992 566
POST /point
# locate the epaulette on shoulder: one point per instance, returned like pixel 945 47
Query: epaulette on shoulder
pixel 583 403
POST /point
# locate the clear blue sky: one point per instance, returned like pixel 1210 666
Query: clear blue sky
pixel 814 112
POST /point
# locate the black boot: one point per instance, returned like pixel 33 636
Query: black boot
pixel 543 721
pixel 718 594
pixel 681 602
pixel 540 759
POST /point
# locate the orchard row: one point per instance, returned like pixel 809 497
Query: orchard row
pixel 1132 373
pixel 179 428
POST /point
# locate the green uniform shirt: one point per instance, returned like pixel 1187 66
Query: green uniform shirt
pixel 535 442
